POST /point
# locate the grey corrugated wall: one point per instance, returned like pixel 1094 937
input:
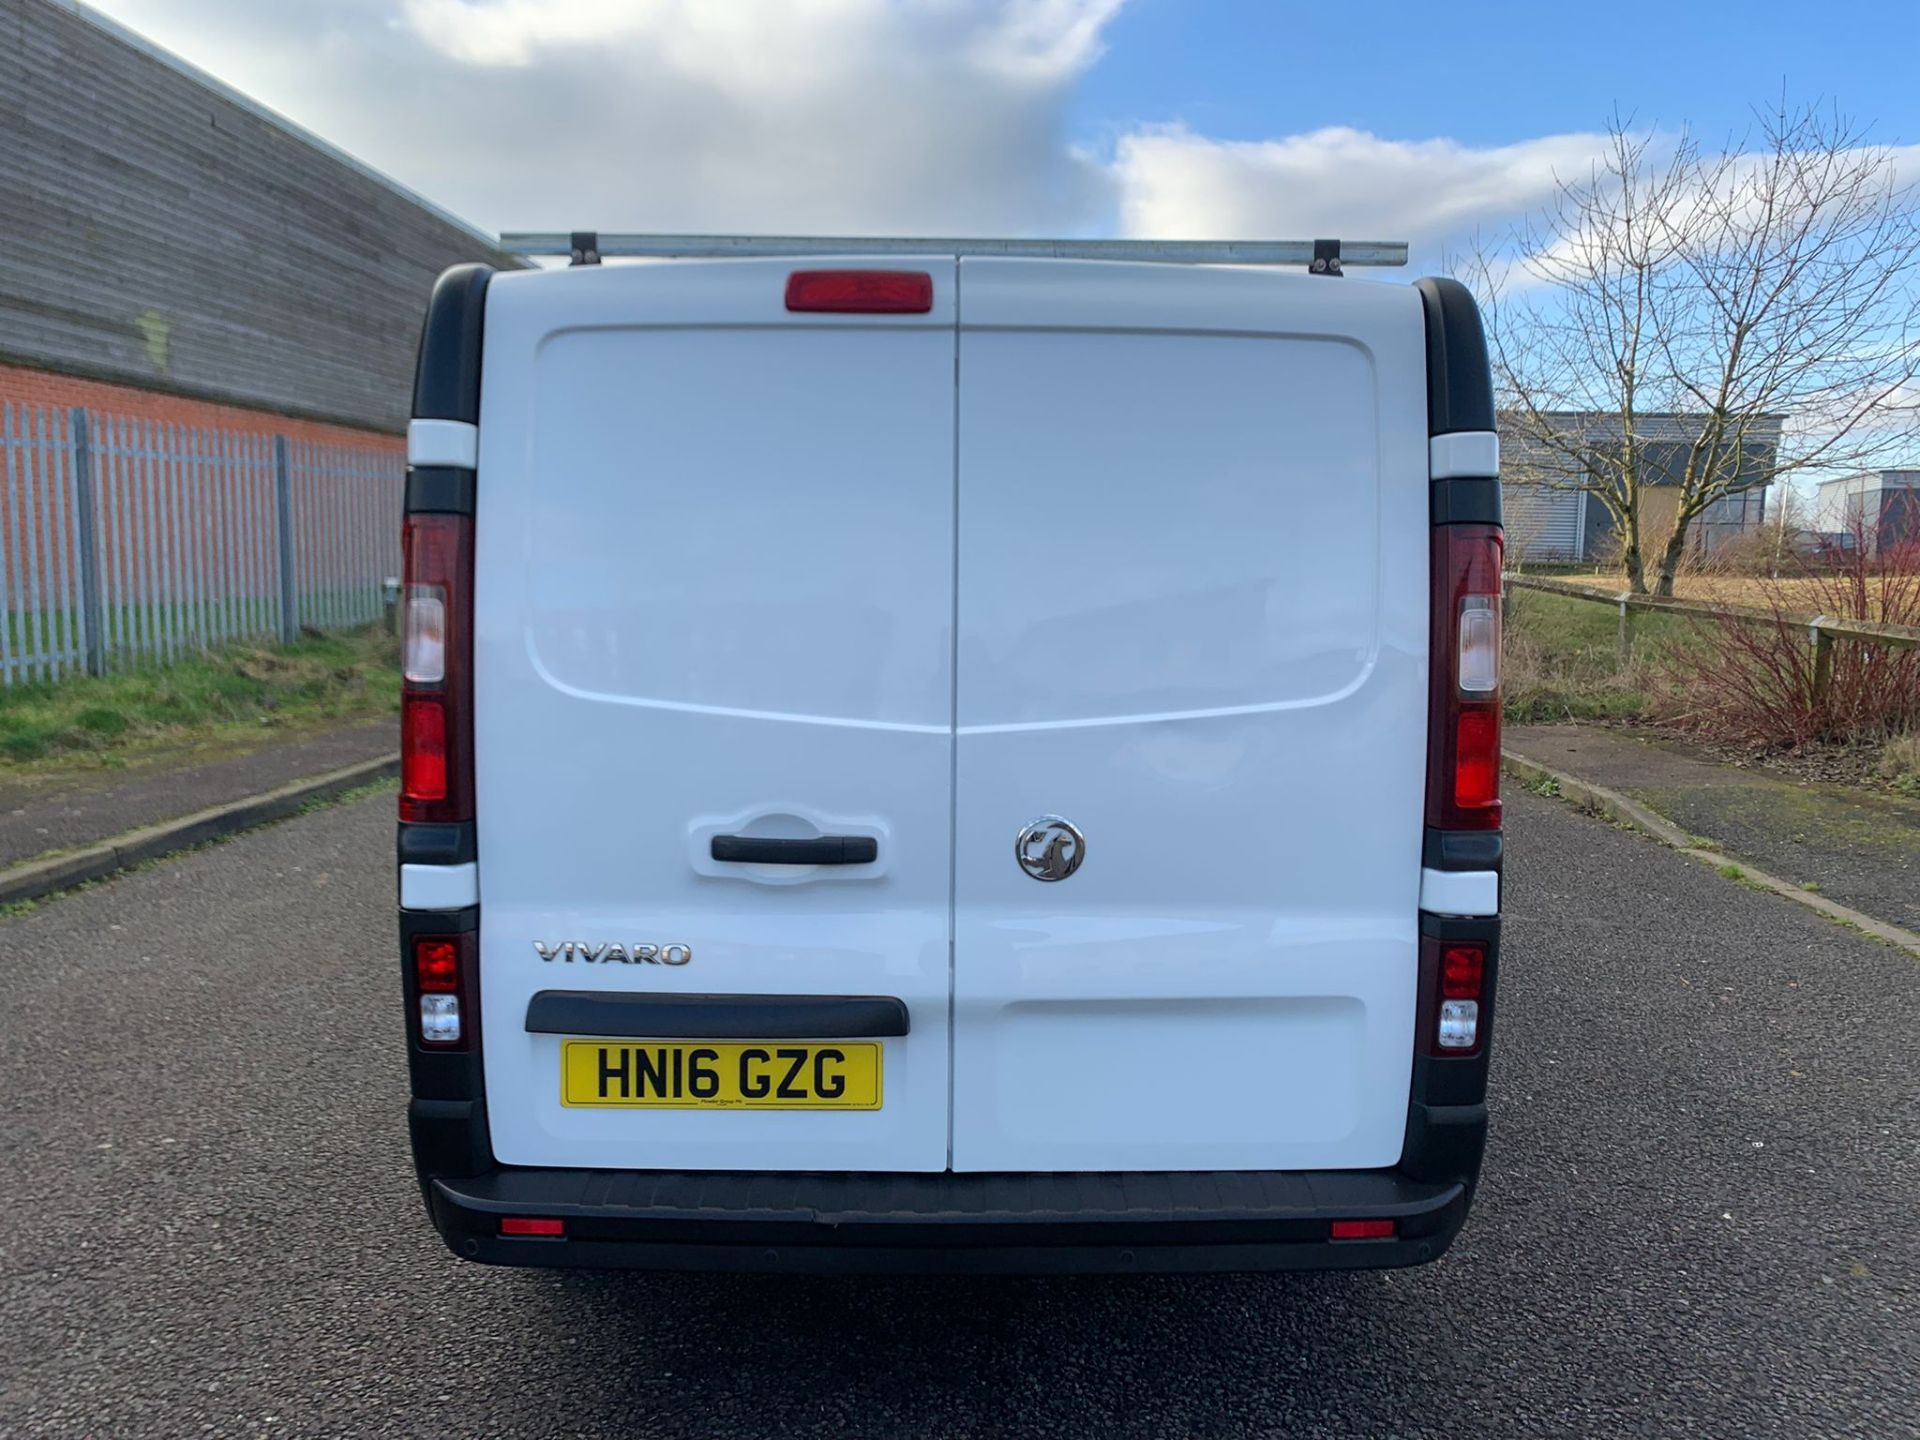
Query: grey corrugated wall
pixel 157 232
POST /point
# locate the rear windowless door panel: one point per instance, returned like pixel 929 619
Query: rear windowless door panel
pixel 715 550
pixel 1192 604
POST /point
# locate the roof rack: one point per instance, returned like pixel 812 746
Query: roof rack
pixel 1323 257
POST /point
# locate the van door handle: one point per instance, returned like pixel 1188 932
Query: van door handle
pixel 819 850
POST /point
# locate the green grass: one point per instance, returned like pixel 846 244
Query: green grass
pixel 128 626
pixel 225 696
pixel 1563 658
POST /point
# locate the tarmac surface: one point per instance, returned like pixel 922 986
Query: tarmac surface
pixel 1856 846
pixel 1697 1216
pixel 38 816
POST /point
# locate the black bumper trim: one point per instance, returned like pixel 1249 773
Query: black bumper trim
pixel 946 1222
pixel 715 1017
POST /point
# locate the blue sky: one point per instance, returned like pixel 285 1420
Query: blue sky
pixel 1492 73
pixel 1219 118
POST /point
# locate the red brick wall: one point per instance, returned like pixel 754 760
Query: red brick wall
pixel 44 387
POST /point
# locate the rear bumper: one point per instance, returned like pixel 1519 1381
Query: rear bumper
pixel 964 1223
pixel 948 1223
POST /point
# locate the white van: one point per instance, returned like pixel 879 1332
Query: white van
pixel 931 759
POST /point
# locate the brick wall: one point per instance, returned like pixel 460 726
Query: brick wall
pixel 23 386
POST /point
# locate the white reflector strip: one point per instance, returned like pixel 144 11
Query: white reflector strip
pixel 439 887
pixel 1469 453
pixel 443 442
pixel 1460 892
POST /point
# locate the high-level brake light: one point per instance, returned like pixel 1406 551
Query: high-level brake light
pixel 861 292
pixel 436 706
pixel 1463 760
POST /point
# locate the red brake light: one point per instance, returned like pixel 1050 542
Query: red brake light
pixel 436 710
pixel 861 292
pixel 1463 764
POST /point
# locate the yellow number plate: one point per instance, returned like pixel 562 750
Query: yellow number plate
pixel 719 1075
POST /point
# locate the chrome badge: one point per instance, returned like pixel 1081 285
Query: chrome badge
pixel 1050 848
pixel 587 952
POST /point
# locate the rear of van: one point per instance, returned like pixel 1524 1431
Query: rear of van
pixel 955 762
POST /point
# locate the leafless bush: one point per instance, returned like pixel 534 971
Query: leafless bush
pixel 1756 682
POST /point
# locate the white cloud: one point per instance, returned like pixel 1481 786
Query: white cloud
pixel 1337 181
pixel 909 116
pixel 747 115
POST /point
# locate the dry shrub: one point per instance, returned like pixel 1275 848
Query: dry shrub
pixel 1757 550
pixel 1752 681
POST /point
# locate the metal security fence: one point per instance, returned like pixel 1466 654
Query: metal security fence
pixel 126 541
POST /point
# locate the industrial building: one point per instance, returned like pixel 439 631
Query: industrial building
pixel 171 250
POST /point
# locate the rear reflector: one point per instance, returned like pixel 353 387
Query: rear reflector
pixel 538 1225
pixel 861 292
pixel 1363 1229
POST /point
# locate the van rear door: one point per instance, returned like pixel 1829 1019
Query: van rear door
pixel 714 597
pixel 1192 616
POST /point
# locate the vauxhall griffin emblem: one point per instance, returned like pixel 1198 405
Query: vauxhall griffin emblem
pixel 1050 848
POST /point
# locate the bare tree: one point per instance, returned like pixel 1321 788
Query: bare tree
pixel 1753 310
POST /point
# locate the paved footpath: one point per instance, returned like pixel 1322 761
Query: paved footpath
pixel 1859 847
pixel 1697 1217
pixel 39 816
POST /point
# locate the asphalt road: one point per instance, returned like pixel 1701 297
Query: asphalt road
pixel 1698 1216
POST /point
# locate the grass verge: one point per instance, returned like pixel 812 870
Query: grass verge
pixel 1562 659
pixel 226 696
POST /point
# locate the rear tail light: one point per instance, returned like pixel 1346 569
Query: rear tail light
pixel 1463 761
pixel 861 292
pixel 443 987
pixel 1455 972
pixel 436 708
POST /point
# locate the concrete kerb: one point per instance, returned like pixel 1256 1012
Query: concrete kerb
pixel 1611 805
pixel 37 878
